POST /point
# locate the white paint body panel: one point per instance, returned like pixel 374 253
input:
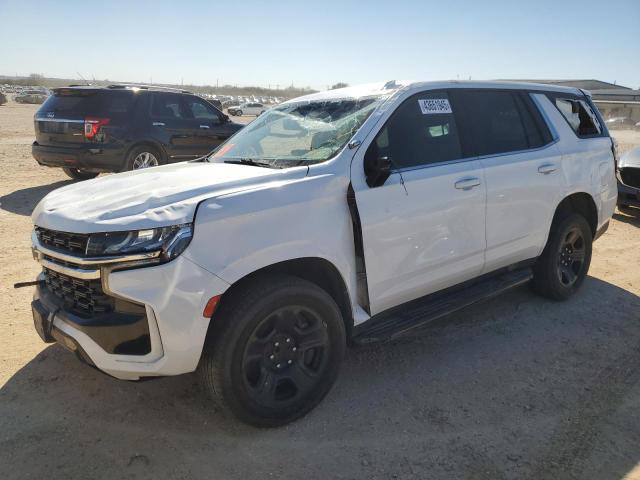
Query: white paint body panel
pixel 416 242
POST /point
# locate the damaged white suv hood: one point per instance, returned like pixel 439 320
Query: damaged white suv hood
pixel 148 198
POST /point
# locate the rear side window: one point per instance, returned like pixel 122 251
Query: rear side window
pixel 167 105
pixel 421 131
pixel 579 115
pixel 501 121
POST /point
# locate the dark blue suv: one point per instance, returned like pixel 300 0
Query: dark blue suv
pixel 86 130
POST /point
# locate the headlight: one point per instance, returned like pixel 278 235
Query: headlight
pixel 171 241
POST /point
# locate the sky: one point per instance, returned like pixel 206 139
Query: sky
pixel 319 43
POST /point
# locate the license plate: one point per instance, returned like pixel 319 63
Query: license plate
pixel 42 321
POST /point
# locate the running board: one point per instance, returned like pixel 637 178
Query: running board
pixel 401 320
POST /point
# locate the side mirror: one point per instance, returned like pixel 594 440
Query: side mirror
pixel 376 169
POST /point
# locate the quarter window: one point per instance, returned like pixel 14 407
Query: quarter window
pixel 421 131
pixel 579 115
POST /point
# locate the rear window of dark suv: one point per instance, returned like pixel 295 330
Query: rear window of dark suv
pixel 87 102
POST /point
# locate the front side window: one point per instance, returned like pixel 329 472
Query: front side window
pixel 200 110
pixel 421 131
pixel 299 133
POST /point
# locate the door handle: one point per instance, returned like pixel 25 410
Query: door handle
pixel 467 183
pixel 158 124
pixel 547 168
pixel 205 126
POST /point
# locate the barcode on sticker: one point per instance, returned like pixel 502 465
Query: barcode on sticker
pixel 434 105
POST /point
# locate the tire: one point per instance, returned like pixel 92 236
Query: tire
pixel 564 263
pixel 255 362
pixel 79 174
pixel 239 113
pixel 143 156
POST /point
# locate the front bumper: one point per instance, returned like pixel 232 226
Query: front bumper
pixel 96 158
pixel 628 195
pixel 164 337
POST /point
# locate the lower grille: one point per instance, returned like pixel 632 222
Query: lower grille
pixel 82 297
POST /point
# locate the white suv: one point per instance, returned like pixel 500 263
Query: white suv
pixel 337 218
pixel 256 109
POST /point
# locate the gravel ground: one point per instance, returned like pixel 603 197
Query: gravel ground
pixel 517 387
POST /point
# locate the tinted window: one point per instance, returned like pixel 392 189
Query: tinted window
pixel 579 115
pixel 201 110
pixel 79 102
pixel 166 105
pixel 421 131
pixel 495 121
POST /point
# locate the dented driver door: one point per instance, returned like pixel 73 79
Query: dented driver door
pixel 423 229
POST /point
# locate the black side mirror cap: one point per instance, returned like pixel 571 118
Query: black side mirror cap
pixel 377 170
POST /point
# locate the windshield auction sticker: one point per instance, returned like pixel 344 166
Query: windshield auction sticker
pixel 434 105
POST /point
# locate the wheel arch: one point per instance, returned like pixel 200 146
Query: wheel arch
pixel 316 270
pixel 578 202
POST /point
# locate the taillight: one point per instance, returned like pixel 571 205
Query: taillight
pixel 92 126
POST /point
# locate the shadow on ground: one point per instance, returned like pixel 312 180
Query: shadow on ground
pixel 25 200
pixel 628 215
pixel 518 387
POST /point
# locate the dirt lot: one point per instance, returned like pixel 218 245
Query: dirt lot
pixel 518 387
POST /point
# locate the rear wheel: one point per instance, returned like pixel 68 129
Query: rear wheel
pixel 143 156
pixel 274 350
pixel 79 174
pixel 564 263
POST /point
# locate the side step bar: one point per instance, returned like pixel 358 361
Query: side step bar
pixel 400 320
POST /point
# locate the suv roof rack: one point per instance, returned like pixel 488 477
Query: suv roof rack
pixel 147 87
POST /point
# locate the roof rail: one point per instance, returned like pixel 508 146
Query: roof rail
pixel 147 87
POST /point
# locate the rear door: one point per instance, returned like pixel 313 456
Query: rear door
pixel 172 126
pixel 522 168
pixel 210 125
pixel 423 230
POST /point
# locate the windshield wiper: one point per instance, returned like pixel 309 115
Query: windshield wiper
pixel 251 162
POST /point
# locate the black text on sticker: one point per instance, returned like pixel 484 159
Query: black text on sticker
pixel 434 105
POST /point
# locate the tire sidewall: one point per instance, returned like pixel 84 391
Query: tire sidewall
pixel 234 388
pixel 558 234
pixel 135 151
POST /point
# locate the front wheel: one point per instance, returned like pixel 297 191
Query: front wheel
pixel 238 113
pixel 273 350
pixel 79 174
pixel 565 260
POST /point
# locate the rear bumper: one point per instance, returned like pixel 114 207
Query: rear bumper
pixel 97 158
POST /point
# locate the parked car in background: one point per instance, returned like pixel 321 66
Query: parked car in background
pixel 619 123
pixel 629 179
pixel 248 108
pixel 31 96
pixel 637 126
pixel 3 99
pixel 348 216
pixel 86 130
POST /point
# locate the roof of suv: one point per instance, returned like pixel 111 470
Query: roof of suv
pixel 382 88
pixel 125 86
